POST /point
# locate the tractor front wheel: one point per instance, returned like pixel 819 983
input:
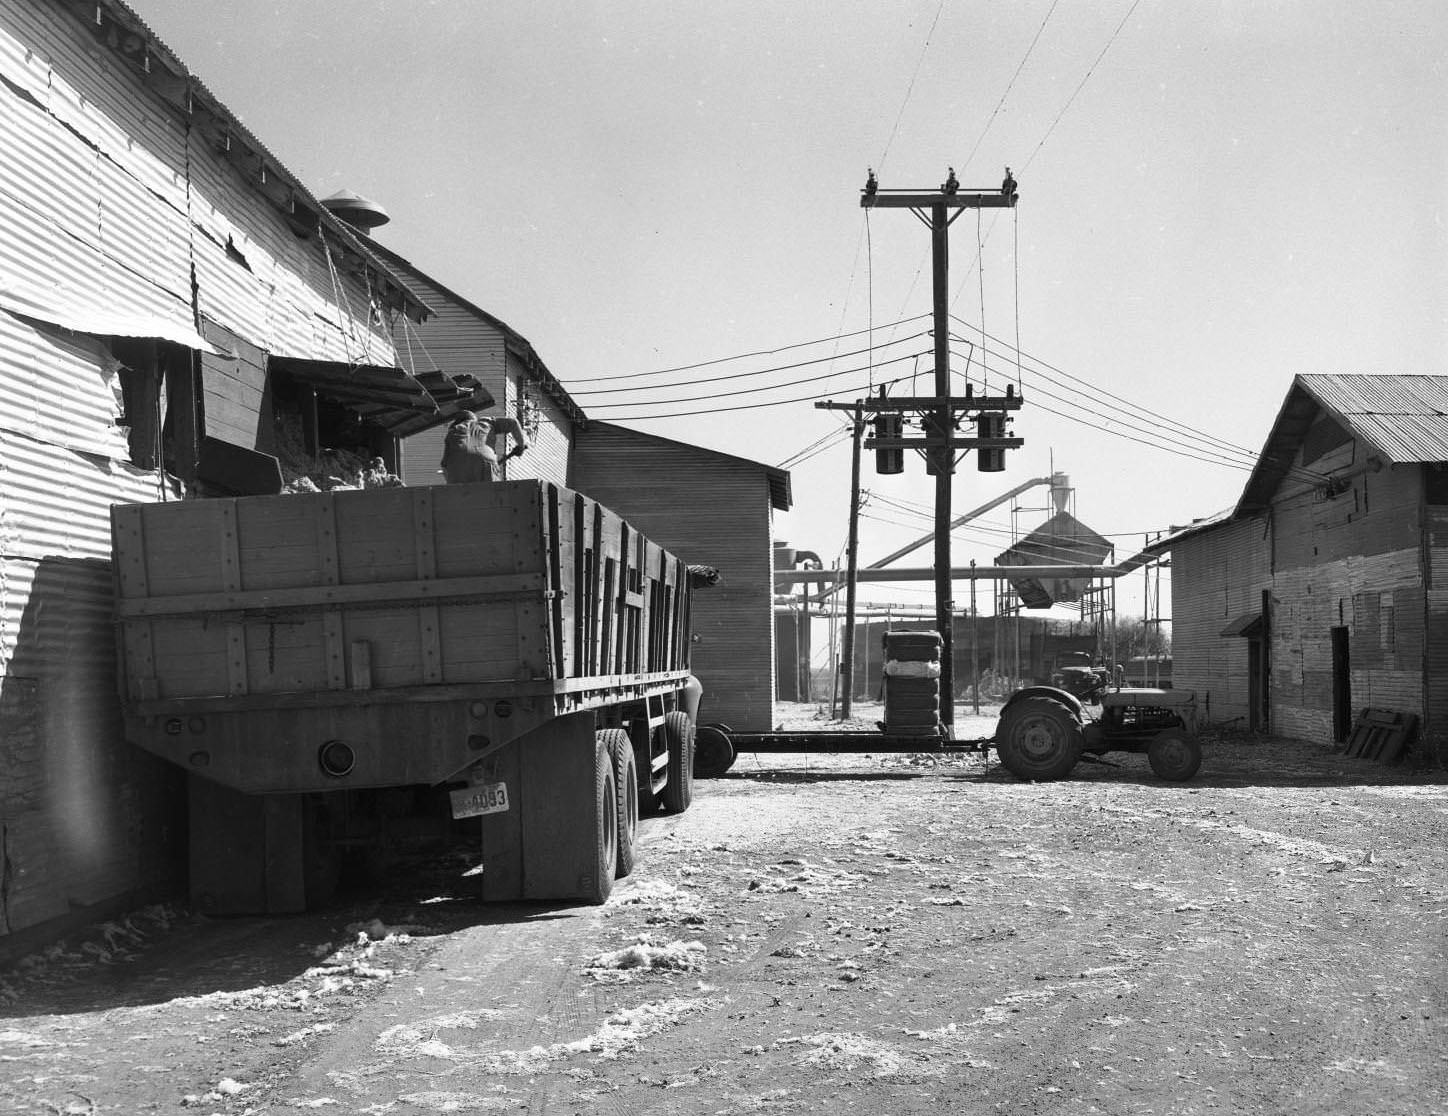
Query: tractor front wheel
pixel 1039 738
pixel 1174 754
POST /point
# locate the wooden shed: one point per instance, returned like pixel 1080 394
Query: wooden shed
pixel 156 263
pixel 1324 592
pixel 709 508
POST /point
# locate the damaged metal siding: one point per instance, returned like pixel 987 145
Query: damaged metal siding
pixel 1217 576
pixel 109 199
pixel 1336 557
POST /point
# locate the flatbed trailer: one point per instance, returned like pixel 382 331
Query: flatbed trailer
pixel 338 672
pixel 1041 734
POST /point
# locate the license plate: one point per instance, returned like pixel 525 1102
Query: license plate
pixel 486 798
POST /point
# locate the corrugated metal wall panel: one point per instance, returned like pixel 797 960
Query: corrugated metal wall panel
pixel 706 509
pixel 85 814
pixel 94 189
pixel 456 340
pixel 1435 663
pixel 1217 576
pixel 58 387
pixel 551 444
pixel 109 224
pixel 57 502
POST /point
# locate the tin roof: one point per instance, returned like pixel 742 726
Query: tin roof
pixel 1402 417
pixel 136 47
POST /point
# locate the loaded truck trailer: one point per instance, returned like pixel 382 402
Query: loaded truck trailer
pixel 341 671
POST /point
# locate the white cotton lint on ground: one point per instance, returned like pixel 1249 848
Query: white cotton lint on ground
pixel 618 1036
pixel 678 956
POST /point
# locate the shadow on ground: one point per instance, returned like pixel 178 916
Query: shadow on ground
pixel 169 952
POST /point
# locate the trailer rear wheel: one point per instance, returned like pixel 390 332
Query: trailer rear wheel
pixel 597 887
pixel 713 752
pixel 1039 738
pixel 679 736
pixel 1174 754
pixel 626 789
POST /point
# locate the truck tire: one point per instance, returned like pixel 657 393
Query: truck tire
pixel 1174 754
pixel 626 788
pixel 679 736
pixel 598 885
pixel 1039 738
pixel 713 752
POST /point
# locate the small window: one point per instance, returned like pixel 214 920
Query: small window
pixel 1435 484
pixel 1387 624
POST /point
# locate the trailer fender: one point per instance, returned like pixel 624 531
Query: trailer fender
pixel 690 696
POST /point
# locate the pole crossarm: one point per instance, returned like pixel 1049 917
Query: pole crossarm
pixel 992 199
pixel 954 443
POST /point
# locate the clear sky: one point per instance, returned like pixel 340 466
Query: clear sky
pixel 1214 196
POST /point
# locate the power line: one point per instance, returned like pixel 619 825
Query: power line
pixel 857 390
pixel 754 390
pixel 910 88
pixel 744 356
pixel 1071 99
pixel 1009 85
pixel 1227 458
pixel 1017 353
pixel 744 375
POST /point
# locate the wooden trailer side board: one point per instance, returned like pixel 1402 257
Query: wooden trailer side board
pixel 519 582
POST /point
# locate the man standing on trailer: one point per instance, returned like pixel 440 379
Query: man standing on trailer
pixel 469 451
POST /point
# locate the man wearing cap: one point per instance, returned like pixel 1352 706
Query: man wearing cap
pixel 469 451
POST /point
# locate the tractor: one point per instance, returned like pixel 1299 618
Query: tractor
pixel 1044 730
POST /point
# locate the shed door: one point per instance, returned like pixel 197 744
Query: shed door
pixel 1341 686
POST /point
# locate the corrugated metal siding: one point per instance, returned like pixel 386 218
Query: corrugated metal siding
pixel 1217 576
pixel 105 218
pixel 454 340
pixel 551 445
pixel 458 340
pixel 1435 662
pixel 98 207
pixel 707 509
pixel 1334 559
pixel 84 813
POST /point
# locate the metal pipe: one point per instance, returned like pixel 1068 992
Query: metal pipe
pixel 785 578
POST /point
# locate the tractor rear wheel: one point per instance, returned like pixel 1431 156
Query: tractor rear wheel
pixel 1174 754
pixel 1039 738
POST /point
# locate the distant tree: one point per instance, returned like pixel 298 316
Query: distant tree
pixel 1134 636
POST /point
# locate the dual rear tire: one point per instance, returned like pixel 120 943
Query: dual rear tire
pixel 625 797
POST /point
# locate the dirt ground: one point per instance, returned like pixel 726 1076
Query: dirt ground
pixel 864 934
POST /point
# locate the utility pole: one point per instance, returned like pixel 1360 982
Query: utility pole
pixel 848 652
pixel 939 413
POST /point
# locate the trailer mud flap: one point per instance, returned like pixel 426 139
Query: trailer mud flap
pixel 543 846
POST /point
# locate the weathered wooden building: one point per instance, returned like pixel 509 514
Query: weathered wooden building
pixel 1325 590
pixel 713 509
pixel 176 312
